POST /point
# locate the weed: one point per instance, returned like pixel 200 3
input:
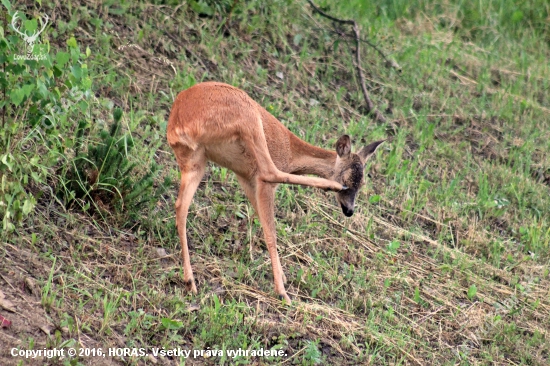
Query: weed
pixel 104 177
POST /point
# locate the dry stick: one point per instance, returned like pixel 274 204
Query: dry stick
pixel 370 105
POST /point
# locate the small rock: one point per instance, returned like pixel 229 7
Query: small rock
pixel 5 303
pixel 193 307
pixel 313 102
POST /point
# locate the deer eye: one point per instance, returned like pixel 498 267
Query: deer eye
pixel 355 176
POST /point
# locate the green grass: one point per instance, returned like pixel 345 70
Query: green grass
pixel 446 260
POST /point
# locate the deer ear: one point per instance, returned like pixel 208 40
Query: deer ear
pixel 343 146
pixel 368 150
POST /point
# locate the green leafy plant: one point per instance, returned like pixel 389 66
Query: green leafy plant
pixel 312 355
pixel 472 292
pixel 393 246
pixel 41 96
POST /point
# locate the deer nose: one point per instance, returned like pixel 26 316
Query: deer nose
pixel 348 212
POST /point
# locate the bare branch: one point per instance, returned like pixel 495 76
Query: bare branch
pixel 369 104
pixel 318 10
pixel 389 62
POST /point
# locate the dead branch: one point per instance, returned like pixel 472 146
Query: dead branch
pixel 369 104
pixel 390 63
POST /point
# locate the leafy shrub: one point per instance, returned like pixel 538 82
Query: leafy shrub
pixel 44 92
pixel 42 96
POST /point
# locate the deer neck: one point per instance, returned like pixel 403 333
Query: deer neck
pixel 309 159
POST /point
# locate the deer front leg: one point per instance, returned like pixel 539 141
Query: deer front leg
pixel 282 177
pixel 254 142
pixel 265 194
pixel 250 191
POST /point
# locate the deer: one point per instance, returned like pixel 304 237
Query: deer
pixel 213 121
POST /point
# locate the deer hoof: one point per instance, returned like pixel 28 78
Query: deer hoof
pixel 285 298
pixel 190 286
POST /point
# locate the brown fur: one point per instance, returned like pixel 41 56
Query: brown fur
pixel 217 122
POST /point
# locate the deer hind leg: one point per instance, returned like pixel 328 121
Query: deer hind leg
pixel 250 191
pixel 192 164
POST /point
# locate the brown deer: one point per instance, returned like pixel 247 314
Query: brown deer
pixel 218 122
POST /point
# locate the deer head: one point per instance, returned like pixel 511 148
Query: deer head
pixel 31 40
pixel 349 171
